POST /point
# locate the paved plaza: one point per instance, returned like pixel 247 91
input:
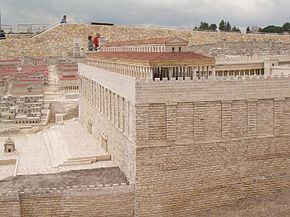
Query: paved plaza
pixel 59 148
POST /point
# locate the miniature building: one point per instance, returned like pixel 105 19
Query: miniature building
pixel 9 146
pixel 59 118
pixel 68 77
pixel 25 109
pixel 172 44
pixel 24 79
pixel 177 130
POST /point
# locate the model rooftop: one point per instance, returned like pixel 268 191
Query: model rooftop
pixel 167 44
pixel 166 40
pixel 153 58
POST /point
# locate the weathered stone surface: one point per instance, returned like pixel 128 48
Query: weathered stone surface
pixel 59 40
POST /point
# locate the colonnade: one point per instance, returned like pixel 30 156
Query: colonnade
pixel 183 72
pixel 137 48
pixel 239 72
pixel 148 72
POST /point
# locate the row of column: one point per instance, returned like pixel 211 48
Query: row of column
pixel 182 71
pixel 135 49
pixel 70 88
pixel 242 72
pixel 112 106
pixel 140 72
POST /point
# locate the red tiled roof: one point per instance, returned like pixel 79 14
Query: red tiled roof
pixel 68 77
pixel 9 60
pixel 151 56
pixel 31 80
pixel 20 85
pixel 139 42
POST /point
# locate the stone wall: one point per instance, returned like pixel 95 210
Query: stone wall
pixel 115 201
pixel 205 145
pixel 266 205
pixel 119 145
pixel 246 48
pixel 107 107
pixel 10 205
pixel 59 40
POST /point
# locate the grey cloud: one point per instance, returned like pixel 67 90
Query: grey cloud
pixel 183 13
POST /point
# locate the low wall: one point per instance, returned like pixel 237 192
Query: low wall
pixel 78 201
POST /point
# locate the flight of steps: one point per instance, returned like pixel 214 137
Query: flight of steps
pixel 72 161
pixel 45 112
pixel 52 90
pixel 60 155
pixel 57 149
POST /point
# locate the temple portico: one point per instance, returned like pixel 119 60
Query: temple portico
pixel 171 44
pixel 155 65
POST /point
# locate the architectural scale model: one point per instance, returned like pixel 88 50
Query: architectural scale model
pixel 169 123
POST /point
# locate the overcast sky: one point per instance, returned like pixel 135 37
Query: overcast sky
pixel 177 13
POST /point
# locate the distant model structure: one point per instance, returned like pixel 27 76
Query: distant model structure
pixel 9 146
pixel 171 44
pixel 68 77
pixel 21 79
pixel 21 110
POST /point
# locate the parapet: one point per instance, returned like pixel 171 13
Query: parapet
pixel 212 89
pixel 75 190
pixel 216 78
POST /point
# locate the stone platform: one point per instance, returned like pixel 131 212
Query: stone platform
pixel 59 148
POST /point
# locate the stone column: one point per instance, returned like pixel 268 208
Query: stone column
pixel 170 73
pixel 194 72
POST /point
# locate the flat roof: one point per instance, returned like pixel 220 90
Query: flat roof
pixel 139 42
pixel 153 41
pixel 153 57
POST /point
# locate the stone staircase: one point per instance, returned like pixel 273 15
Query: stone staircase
pixel 73 161
pixel 57 149
pixel 52 90
pixel 45 113
pixel 61 156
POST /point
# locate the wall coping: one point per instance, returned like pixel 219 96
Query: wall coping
pixel 75 190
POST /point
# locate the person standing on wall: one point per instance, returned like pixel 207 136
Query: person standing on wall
pixel 97 41
pixel 63 19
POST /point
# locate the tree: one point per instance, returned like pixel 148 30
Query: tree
pixel 203 26
pixel 286 27
pixel 222 25
pixel 248 30
pixel 225 26
pixel 213 27
pixel 272 29
pixel 228 26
